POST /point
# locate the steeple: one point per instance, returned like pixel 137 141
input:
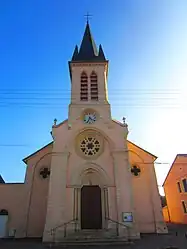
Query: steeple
pixel 89 74
pixel 88 50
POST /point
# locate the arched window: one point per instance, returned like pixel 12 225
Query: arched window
pixel 94 86
pixel 84 87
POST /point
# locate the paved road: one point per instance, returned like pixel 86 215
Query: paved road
pixel 176 238
pixel 148 242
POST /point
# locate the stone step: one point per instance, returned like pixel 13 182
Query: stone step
pixel 90 234
pixel 92 242
pixel 94 238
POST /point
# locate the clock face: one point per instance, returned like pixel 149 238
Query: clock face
pixel 89 118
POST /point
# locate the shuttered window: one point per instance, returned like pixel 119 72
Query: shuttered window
pixel 184 182
pixel 93 86
pixel 84 87
pixel 179 187
pixel 184 207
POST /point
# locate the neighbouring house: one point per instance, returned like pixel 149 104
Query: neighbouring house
pixel 90 176
pixel 163 201
pixel 175 187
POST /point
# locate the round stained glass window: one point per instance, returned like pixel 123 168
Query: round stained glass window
pixel 90 146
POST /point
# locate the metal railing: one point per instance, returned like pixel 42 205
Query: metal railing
pixel 64 225
pixel 117 226
pixel 53 231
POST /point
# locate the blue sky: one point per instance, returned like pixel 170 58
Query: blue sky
pixel 145 42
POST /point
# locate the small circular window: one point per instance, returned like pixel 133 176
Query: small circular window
pixel 90 146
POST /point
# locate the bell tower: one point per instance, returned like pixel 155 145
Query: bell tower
pixel 88 73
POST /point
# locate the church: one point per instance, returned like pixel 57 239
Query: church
pixel 90 179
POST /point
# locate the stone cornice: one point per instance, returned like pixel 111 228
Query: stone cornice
pixel 63 153
pixel 119 151
pixel 80 186
pixel 88 64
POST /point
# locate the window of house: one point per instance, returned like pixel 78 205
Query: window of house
pixel 93 86
pixel 184 207
pixel 184 181
pixel 84 87
pixel 179 187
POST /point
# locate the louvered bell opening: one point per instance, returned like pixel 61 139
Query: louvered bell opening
pixel 94 87
pixel 84 88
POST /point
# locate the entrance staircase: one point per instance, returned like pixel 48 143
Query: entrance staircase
pixel 62 235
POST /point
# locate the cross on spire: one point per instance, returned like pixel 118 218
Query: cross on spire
pixel 88 51
pixel 87 16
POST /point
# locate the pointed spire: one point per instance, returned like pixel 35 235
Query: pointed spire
pixel 88 50
pixel 75 53
pixel 101 53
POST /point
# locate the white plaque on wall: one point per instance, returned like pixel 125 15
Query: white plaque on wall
pixel 127 217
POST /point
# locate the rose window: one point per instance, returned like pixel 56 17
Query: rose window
pixel 90 146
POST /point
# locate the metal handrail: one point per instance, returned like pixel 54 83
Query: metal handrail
pixel 117 225
pixel 53 230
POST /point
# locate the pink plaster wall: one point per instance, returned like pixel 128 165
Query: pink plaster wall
pixel 27 202
pixel 37 189
pixel 30 217
pixel 13 198
pixel 147 204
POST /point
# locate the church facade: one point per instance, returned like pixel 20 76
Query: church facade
pixel 90 177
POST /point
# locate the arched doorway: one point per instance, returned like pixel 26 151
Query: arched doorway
pixel 91 208
pixel 3 223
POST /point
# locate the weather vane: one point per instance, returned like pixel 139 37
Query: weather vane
pixel 88 16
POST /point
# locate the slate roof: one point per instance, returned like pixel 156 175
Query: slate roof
pixel 34 153
pixel 1 179
pixel 88 51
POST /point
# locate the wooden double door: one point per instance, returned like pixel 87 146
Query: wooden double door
pixel 91 208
